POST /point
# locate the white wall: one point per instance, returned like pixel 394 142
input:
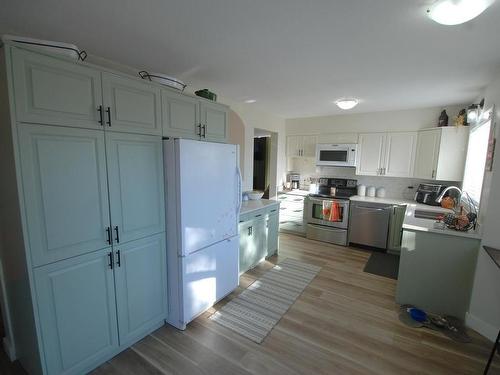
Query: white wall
pixel 484 310
pixel 406 120
pixel 255 118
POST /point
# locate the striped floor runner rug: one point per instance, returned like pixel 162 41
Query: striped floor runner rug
pixel 259 308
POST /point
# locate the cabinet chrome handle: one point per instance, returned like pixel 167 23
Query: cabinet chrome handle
pixel 119 261
pixel 108 232
pixel 204 130
pixel 110 256
pixel 433 173
pixel 101 119
pixel 250 231
pixel 108 111
pixel 117 238
pixel 199 130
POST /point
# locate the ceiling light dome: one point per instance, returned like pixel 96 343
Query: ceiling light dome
pixel 347 103
pixel 455 12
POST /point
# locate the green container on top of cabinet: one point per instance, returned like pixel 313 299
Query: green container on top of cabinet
pixel 84 204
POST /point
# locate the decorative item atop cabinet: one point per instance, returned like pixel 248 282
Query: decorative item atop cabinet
pixel 443 119
pixel 207 94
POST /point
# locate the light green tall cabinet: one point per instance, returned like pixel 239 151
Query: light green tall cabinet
pixel 83 220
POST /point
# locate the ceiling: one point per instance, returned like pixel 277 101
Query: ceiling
pixel 294 57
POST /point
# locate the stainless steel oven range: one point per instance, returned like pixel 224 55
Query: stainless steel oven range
pixel 327 213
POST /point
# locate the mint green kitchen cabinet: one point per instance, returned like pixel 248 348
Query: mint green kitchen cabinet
pixel 141 290
pixel 77 311
pixel 136 193
pixel 181 115
pixel 215 122
pixel 65 191
pixel 131 105
pixel 55 91
pixel 253 243
pixel 272 232
pixel 187 117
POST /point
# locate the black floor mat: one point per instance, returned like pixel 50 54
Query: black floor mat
pixel 383 264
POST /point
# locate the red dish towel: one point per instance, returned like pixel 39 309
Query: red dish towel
pixel 335 212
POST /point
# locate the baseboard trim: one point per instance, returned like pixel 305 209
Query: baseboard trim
pixel 486 329
pixel 9 349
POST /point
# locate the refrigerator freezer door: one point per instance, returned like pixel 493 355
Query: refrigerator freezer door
pixel 209 193
pixel 209 275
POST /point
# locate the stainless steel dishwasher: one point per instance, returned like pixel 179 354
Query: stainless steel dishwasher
pixel 369 224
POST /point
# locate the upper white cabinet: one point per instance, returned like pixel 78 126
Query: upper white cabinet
pixel 55 92
pixel 441 153
pixel 188 117
pixel 131 105
pixel 301 146
pixel 400 154
pixel 386 154
pixel 370 154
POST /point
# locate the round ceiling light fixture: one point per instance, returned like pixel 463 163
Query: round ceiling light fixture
pixel 346 103
pixel 250 101
pixel 456 12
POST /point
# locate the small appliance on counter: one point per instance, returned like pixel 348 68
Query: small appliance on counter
pixel 327 212
pixel 293 180
pixel 428 194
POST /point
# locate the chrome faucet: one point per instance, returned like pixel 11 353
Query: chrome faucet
pixel 440 198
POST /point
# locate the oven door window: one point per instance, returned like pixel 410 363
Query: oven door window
pixel 333 155
pixel 328 211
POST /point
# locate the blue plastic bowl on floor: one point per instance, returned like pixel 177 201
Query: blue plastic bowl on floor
pixel 418 315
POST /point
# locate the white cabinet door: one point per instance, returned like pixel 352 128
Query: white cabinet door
pixel 427 153
pixel 65 191
pixel 309 146
pixel 77 312
pixel 400 154
pixel 135 175
pixel 215 119
pixel 293 145
pixel 370 153
pixel 55 92
pixel 180 115
pixel 131 105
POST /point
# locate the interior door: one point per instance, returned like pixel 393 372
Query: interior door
pixel 133 106
pixel 54 91
pixel 77 311
pixel 65 191
pixel 400 154
pixel 181 115
pixel 427 153
pixel 214 118
pixel 140 276
pixel 208 180
pixel 135 173
pixel 370 153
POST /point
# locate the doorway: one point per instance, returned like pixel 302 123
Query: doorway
pixel 265 159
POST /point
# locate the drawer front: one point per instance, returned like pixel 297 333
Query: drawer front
pixel 325 234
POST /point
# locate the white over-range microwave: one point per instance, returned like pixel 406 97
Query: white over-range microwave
pixel 336 155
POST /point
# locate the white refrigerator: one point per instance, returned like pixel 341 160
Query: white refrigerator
pixel 203 201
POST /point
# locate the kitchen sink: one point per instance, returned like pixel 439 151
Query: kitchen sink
pixel 431 215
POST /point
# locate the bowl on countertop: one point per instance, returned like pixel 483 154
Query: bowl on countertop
pixel 254 195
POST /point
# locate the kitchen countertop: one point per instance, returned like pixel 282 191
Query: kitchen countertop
pixel 418 224
pixel 300 192
pixel 249 206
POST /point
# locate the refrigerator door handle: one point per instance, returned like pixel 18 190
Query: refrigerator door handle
pixel 239 192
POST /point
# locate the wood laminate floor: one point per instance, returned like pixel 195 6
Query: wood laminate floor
pixel 345 322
